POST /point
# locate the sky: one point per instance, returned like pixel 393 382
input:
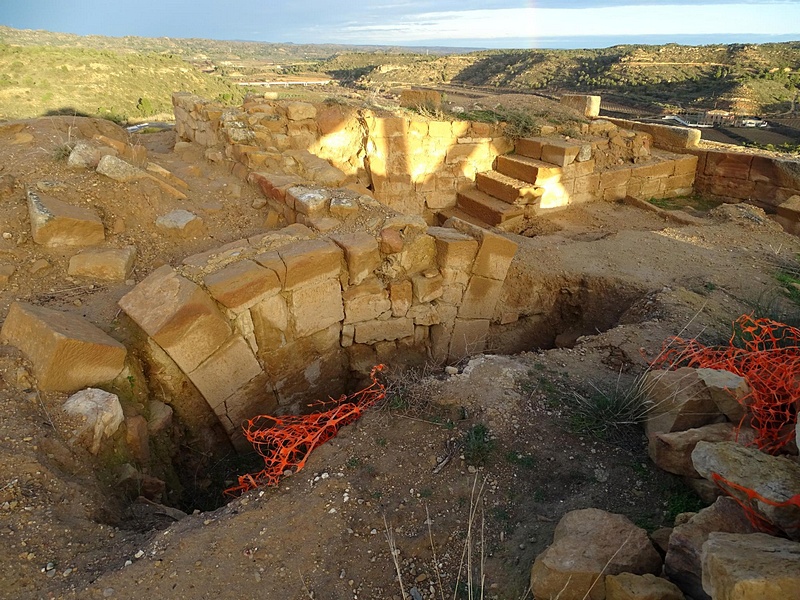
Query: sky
pixel 453 23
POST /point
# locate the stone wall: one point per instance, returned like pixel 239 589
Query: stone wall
pixel 413 166
pixel 265 324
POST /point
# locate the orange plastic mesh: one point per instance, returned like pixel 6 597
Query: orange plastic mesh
pixel 769 360
pixel 286 442
pixel 750 508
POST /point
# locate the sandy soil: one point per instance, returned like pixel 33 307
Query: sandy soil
pixel 323 532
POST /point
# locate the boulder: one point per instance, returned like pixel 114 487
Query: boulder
pixel 682 563
pixel 751 567
pixel 56 223
pixel 6 271
pixel 728 391
pixel 181 223
pixel 67 352
pixel 776 480
pixel 677 400
pixel 672 452
pixel 118 169
pixel 587 545
pixel 160 417
pixel 627 586
pixel 85 155
pixel 102 413
pixel 114 264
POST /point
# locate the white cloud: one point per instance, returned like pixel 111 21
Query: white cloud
pixel 768 19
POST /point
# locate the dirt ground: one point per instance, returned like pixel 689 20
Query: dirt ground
pixel 517 459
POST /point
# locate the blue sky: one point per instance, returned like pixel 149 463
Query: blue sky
pixel 488 23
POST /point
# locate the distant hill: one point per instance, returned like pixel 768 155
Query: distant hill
pixel 760 79
pixel 40 80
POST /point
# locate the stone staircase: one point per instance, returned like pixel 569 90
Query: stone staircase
pixel 525 182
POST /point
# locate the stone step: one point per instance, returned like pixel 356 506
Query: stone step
pixel 508 189
pixel 555 151
pixel 446 213
pixel 528 169
pixel 486 207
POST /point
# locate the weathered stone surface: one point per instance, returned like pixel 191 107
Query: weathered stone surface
pixel 672 452
pixel 427 286
pixel 679 400
pixel 308 200
pixel 55 223
pixel 225 371
pixel 299 111
pixel 627 586
pixel 774 478
pixel 160 417
pixel 682 563
pixel 751 567
pixel 480 298
pixel 118 169
pixel 316 307
pixel 401 295
pixel 85 155
pixel 102 413
pixel 494 254
pixel 588 106
pixel 178 315
pixel 727 391
pixel 361 253
pixel 454 250
pixel 114 264
pixel 270 322
pixel 468 338
pixel 370 332
pixel 182 223
pixel 366 301
pixel 588 544
pixel 242 285
pixel 6 271
pixel 310 261
pixel 67 352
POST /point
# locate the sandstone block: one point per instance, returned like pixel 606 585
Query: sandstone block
pixel 423 315
pixel 750 567
pixel 118 169
pixel 678 401
pixel 110 265
pixel 683 559
pixel 727 391
pixel 587 544
pixel 366 301
pixel 178 315
pixel 6 271
pixel 67 352
pixel 454 250
pixel 560 153
pixel 494 254
pixel 316 306
pixel 672 452
pixel 181 223
pixel 371 332
pixel 225 371
pixel 310 261
pixel 270 322
pixel 55 223
pixel 137 438
pixel 401 296
pixel 480 298
pixel 728 165
pixel 256 397
pixel 426 287
pixel 274 185
pixel 588 106
pixel 242 285
pixel 308 200
pixel 361 253
pixel 298 111
pixel 102 414
pixel 468 338
pixel 627 586
pixel 774 478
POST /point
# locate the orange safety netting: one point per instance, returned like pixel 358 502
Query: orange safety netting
pixel 768 357
pixel 750 507
pixel 286 442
